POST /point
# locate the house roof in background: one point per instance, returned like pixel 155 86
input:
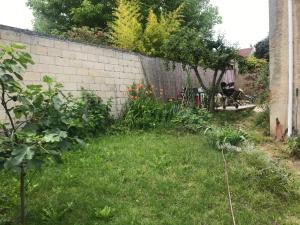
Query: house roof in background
pixel 245 52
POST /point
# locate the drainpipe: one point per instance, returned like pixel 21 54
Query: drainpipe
pixel 291 68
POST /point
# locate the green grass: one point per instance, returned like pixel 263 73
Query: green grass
pixel 149 178
pixel 255 124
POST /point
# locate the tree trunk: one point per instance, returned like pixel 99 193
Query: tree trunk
pixel 211 100
pixel 22 193
pixel 212 93
pixel 199 78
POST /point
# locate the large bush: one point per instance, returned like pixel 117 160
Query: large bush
pixel 192 119
pixel 143 111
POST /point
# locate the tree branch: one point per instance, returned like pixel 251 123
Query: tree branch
pixel 220 77
pixel 199 77
pixel 4 104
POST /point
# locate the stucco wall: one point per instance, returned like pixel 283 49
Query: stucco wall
pixel 279 61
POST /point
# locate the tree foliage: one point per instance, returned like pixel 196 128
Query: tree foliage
pixel 59 16
pixel 262 49
pixel 158 31
pixel 192 49
pixel 126 29
pixel 87 35
pixel 251 65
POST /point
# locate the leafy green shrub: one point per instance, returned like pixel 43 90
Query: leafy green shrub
pixel 142 111
pixel 220 137
pixel 192 119
pixel 293 147
pixel 86 35
pixel 87 115
pixel 81 116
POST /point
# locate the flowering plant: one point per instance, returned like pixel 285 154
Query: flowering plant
pixel 136 91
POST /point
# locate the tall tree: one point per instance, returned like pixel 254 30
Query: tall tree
pixel 57 16
pixel 193 50
pixel 158 30
pixel 126 29
pixel 262 49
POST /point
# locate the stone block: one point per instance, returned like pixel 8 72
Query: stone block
pixel 49 60
pixel 39 50
pixel 68 54
pixel 63 45
pixel 55 52
pixel 81 56
pixel 46 42
pixel 92 57
pixel 10 36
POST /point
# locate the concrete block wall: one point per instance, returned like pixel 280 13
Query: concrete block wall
pixel 106 71
pixel 279 62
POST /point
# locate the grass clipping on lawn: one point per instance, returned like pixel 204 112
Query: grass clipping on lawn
pixel 154 178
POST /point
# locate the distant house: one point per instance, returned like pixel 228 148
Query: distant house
pixel 245 81
pixel 246 52
pixel 285 64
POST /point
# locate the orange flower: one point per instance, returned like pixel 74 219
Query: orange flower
pixel 140 86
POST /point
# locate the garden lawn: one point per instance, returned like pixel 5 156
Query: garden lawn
pixel 148 178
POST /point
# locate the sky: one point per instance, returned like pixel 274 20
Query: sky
pixel 245 22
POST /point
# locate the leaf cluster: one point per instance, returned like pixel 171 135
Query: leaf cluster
pixel 42 120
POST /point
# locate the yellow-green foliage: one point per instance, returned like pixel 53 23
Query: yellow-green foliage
pixel 157 32
pixel 126 29
pixel 251 64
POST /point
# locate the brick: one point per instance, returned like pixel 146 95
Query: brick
pixel 108 67
pixel 118 68
pixel 76 63
pixel 62 61
pixel 26 39
pixel 68 54
pixel 39 50
pixel 56 69
pixel 81 56
pixel 99 66
pixel 93 72
pixel 32 76
pixel 75 47
pixel 61 45
pixel 46 42
pixel 70 87
pixel 46 60
pixel 10 35
pixel 62 78
pixel 99 80
pixel 69 70
pixel 54 52
pixel 92 57
pixel 109 52
pixel 109 80
pixel 82 71
pixel 41 68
